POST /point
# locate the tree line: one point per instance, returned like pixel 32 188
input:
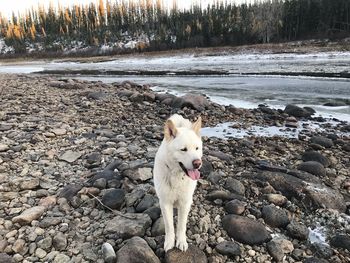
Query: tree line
pixel 157 27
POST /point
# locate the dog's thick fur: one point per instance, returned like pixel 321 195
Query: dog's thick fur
pixel 175 175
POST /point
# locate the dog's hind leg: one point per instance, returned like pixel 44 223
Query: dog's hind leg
pixel 167 212
pixel 181 242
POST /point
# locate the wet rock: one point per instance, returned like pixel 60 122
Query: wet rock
pixel 278 247
pixel 93 158
pixel 206 168
pixel 340 241
pixel 323 196
pixel 128 225
pixel 148 96
pixel 298 230
pixel 146 202
pixel 114 198
pixel 223 195
pixel 335 103
pixel 296 111
pixel 59 241
pixel 153 212
pixel 245 230
pixel 274 216
pixel 221 155
pixel 322 250
pixel 312 195
pixel 136 249
pixel 264 165
pixel 313 167
pixel 100 183
pixel 69 156
pixel 192 255
pixel 194 101
pixel 136 97
pixel 125 93
pixel 108 253
pixel 69 191
pixel 228 248
pixel 323 141
pixel 291 122
pixel 235 186
pixel 105 174
pixel 158 228
pixel 113 165
pixel 276 199
pixel 29 215
pixel 215 176
pixel 235 207
pixel 316 157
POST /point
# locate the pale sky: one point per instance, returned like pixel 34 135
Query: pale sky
pixel 7 6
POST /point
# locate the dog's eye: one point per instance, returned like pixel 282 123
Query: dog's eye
pixel 184 149
pixel 197 148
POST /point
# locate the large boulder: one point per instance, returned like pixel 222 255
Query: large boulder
pixel 114 198
pixel 137 250
pixel 341 241
pixel 274 216
pixel 193 101
pixel 316 157
pixel 312 194
pixel 296 111
pixel 128 225
pixel 323 141
pixel 245 230
pixel 192 255
pixel 228 248
pixel 313 167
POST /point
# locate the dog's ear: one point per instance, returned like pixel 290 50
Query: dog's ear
pixel 170 130
pixel 196 126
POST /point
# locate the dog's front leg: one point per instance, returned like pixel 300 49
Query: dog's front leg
pixel 181 242
pixel 167 212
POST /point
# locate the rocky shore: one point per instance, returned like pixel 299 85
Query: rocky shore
pixel 76 184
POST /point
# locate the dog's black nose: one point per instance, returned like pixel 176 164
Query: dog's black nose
pixel 196 163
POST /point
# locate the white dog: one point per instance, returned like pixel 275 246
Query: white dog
pixel 175 175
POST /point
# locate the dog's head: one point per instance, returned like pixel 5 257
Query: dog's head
pixel 185 147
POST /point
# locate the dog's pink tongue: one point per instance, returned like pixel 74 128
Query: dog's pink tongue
pixel 194 174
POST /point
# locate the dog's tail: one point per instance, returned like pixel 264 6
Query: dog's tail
pixel 179 121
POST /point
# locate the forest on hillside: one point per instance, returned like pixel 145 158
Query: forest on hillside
pixel 116 26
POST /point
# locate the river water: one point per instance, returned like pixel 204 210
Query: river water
pixel 247 80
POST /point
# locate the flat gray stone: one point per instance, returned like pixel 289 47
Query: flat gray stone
pixel 70 156
pixel 128 225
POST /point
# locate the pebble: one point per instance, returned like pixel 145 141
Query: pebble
pixel 108 253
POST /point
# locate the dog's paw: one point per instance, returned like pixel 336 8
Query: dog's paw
pixel 181 243
pixel 169 242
